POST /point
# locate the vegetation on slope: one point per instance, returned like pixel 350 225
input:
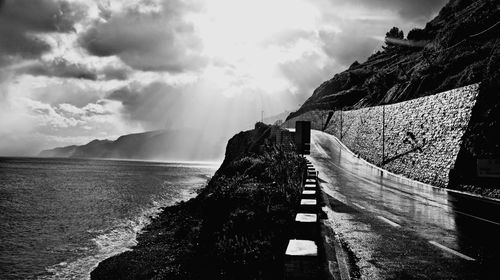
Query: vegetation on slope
pixel 459 47
pixel 236 228
pixel 453 50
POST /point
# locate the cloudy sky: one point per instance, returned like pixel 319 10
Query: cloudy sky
pixel 73 71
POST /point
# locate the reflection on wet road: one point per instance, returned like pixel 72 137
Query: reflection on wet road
pixel 401 229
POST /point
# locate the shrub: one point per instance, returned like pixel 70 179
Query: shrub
pixel 417 34
pixel 395 33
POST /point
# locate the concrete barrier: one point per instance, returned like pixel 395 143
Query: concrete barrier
pixel 306 218
pixel 301 260
pixel 309 205
pixel 312 181
pixel 311 194
pixel 310 187
pixel 301 256
pixel 306 226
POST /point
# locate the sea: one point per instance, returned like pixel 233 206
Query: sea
pixel 60 217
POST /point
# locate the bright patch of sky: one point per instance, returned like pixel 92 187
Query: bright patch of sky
pixel 73 71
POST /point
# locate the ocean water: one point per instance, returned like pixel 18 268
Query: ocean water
pixel 60 217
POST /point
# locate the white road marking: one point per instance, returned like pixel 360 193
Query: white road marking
pixel 359 206
pixel 342 260
pixel 451 251
pixel 484 198
pixel 424 200
pixel 389 221
pixel 476 217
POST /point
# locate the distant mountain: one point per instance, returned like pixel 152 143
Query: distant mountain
pixel 152 145
pixel 458 47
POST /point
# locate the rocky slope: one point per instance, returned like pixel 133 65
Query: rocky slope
pixel 453 50
pixel 236 228
pixel 459 47
pixel 152 145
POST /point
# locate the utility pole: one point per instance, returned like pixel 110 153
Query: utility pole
pixel 383 134
pixel 322 121
pixel 340 125
pixel 262 116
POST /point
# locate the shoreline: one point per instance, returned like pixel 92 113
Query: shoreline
pixel 118 240
pixel 237 225
pixel 193 162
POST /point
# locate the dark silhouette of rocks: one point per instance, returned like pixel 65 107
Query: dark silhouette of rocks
pixel 236 228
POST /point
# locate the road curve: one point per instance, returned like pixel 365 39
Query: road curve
pixel 396 228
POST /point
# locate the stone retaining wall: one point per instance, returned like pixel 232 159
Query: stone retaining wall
pixel 422 136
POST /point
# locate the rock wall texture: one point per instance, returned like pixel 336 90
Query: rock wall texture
pixel 419 139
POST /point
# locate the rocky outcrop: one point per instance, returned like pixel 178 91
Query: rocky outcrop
pixel 462 39
pixel 462 48
pixel 236 228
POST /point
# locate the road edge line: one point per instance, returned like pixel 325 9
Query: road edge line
pixel 341 259
pixel 497 200
pixel 394 224
pixel 359 206
pixel 449 250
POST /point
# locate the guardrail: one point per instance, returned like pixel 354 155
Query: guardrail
pixel 302 255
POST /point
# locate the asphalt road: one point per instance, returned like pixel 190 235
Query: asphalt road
pixel 395 228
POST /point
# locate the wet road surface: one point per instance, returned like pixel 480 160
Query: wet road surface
pixel 397 228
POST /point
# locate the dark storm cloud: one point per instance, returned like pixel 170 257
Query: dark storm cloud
pixel 60 68
pixel 154 41
pixel 115 73
pixel 346 47
pixel 68 91
pixel 356 39
pixel 306 75
pixel 160 105
pixel 20 20
pixel 342 49
pixel 149 104
pixel 418 11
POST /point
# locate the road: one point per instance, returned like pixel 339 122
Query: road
pixel 395 228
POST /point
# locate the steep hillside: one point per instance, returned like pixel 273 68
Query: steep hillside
pixel 156 145
pixel 460 47
pixel 453 50
pixel 236 228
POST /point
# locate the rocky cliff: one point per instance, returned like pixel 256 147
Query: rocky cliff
pixel 236 228
pixel 460 47
pixel 455 49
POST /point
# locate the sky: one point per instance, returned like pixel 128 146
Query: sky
pixel 74 71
